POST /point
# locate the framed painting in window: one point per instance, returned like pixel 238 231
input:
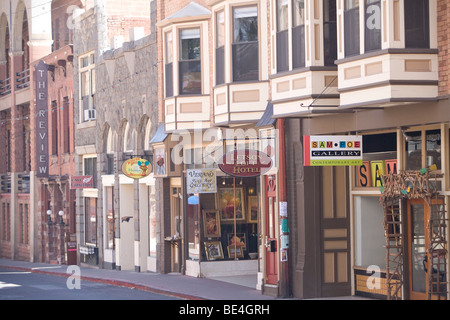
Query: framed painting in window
pixel 211 223
pixel 253 209
pixel 213 250
pixel 227 204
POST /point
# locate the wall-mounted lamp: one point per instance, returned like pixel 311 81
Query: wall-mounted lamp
pixel 407 138
pixel 49 218
pixel 61 213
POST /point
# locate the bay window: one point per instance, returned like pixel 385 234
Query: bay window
pixel 417 28
pixel 168 66
pixel 220 47
pixel 372 28
pixel 190 63
pixel 245 44
pixel 282 36
pixel 329 32
pixel 351 27
pixel 298 34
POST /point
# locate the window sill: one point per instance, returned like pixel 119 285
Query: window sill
pixel 87 124
pixel 386 51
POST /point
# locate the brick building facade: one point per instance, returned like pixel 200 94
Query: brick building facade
pixel 26 199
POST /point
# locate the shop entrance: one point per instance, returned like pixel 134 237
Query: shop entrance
pixel 271 245
pixel 419 258
pixel 175 228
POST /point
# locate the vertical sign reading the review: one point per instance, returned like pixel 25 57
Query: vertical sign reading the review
pixel 41 119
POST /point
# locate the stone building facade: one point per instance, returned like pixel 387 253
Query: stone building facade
pixel 116 114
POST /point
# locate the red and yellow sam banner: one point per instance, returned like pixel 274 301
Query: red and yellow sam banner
pixel 370 172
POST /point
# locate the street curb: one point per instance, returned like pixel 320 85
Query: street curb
pixel 118 283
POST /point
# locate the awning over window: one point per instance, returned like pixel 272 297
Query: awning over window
pixel 266 119
pixel 160 135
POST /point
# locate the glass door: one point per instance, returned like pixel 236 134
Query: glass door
pixel 418 240
pixel 419 259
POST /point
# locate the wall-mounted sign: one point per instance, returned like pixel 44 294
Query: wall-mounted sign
pixel 332 150
pixel 136 168
pixel 81 182
pixel 245 163
pixel 41 77
pixel 370 172
pixel 160 163
pixel 201 181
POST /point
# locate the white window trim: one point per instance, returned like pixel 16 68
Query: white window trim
pixel 89 68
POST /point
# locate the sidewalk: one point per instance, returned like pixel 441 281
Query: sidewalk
pixel 184 287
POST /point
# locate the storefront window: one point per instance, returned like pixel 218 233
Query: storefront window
pixel 91 220
pixel 379 158
pixel 152 221
pixel 229 229
pixel 193 226
pixel 369 232
pixel 418 156
pixel 413 150
pixel 433 148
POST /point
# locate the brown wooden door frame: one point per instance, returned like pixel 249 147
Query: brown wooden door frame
pixel 271 257
pixel 408 259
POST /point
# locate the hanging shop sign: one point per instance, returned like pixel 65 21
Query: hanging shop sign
pixel 370 172
pixel 245 163
pixel 201 181
pixel 41 77
pixel 81 182
pixel 136 168
pixel 332 150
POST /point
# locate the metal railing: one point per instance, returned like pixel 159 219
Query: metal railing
pixel 23 79
pixel 5 86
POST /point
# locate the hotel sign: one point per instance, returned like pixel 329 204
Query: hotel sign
pixel 245 163
pixel 41 119
pixel 332 150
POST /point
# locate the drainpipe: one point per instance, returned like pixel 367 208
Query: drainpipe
pixel 284 233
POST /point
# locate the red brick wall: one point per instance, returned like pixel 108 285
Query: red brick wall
pixel 443 20
pixel 124 15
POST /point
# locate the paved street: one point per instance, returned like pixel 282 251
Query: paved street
pixel 23 285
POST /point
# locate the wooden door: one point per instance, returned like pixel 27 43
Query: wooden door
pixel 419 258
pixel 175 228
pixel 271 242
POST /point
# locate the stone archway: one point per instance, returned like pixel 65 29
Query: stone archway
pixel 421 184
